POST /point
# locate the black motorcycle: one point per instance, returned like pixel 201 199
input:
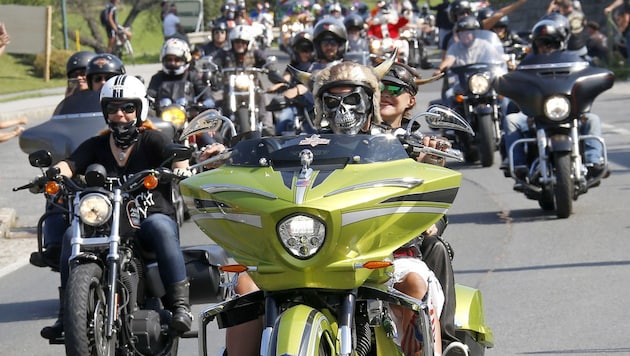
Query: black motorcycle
pixel 114 287
pixel 555 91
pixel 473 96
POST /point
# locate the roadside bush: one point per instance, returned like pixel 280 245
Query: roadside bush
pixel 58 59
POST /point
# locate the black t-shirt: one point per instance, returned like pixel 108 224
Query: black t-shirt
pixel 147 154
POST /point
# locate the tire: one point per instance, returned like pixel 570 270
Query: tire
pixel 487 143
pixel 85 313
pixel 241 119
pixel 564 187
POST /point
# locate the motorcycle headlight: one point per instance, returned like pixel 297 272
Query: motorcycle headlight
pixel 95 209
pixel 479 84
pixel 557 107
pixel 301 235
pixel 241 82
pixel 175 115
pixel 375 46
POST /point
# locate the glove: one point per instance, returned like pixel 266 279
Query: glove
pixel 183 173
pixel 38 186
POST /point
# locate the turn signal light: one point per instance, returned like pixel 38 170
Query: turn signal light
pixel 150 182
pixel 377 264
pixel 459 98
pixel 52 187
pixel 234 268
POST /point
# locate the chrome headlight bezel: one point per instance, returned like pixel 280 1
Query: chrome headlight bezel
pixel 301 235
pixel 95 209
pixel 557 108
pixel 479 83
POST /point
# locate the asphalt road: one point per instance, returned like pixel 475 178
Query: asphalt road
pixel 550 286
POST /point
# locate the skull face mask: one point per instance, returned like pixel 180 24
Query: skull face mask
pixel 347 112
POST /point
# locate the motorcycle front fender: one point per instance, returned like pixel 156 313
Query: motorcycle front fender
pixel 469 315
pixel 302 330
pixel 560 143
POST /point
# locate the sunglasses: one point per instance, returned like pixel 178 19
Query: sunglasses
pixel 391 89
pixel 329 42
pixel 332 101
pixel 100 78
pixel 127 108
pixel 218 31
pixel 77 73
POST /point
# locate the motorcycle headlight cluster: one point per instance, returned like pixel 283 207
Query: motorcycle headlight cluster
pixel 175 115
pixel 241 82
pixel 95 209
pixel 479 84
pixel 557 107
pixel 301 235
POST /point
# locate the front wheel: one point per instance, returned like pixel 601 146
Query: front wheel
pixel 564 187
pixel 85 313
pixel 242 120
pixel 485 132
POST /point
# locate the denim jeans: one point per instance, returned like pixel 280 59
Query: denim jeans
pixel 515 127
pixel 159 234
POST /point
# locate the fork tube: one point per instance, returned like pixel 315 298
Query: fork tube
pixel 345 324
pixel 543 154
pixel 252 103
pixel 576 158
pixel 113 259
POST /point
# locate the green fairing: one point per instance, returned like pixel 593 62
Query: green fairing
pixel 381 226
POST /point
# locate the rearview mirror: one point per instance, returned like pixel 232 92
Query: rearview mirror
pixel 442 117
pixel 208 121
pixel 40 159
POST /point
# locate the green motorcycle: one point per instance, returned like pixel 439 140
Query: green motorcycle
pixel 314 220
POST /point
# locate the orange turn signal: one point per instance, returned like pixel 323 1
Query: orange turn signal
pixel 459 98
pixel 377 264
pixel 234 268
pixel 52 187
pixel 150 182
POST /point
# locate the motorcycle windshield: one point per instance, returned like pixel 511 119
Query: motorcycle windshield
pixel 477 46
pixel 327 150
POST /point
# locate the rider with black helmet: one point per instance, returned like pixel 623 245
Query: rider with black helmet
pixel 75 71
pixel 331 42
pixel 102 67
pixel 355 28
pixel 218 41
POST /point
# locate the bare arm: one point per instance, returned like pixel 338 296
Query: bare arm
pixel 8 123
pixel 504 11
pixel 612 6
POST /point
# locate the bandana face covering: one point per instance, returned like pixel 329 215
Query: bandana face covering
pixel 124 134
pixel 347 112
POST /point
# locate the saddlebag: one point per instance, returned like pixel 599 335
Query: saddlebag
pixel 202 270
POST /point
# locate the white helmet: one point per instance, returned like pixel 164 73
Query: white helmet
pixel 178 48
pixel 126 88
pixel 243 33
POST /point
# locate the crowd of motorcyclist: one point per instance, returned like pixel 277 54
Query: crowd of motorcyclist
pixel 328 33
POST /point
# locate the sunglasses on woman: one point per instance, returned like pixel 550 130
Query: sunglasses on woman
pixel 127 108
pixel 392 89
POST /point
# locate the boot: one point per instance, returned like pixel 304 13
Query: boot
pixel 177 301
pixel 55 331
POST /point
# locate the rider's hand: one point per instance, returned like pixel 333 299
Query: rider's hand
pixel 211 151
pixel 39 183
pixel 438 143
pixel 182 172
